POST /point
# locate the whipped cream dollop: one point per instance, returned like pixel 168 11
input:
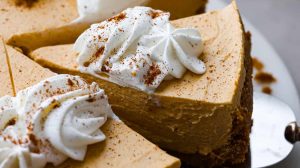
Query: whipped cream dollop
pixel 51 121
pixel 91 11
pixel 139 48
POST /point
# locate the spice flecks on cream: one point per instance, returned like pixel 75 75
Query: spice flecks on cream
pixel 51 121
pixel 139 48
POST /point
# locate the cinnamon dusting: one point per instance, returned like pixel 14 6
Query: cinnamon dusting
pixel 118 17
pixel 56 106
pixel 86 64
pixel 105 68
pixel 33 139
pixel 10 122
pixel 99 51
pixel 70 83
pixel 91 99
pixel 152 73
pixel 155 14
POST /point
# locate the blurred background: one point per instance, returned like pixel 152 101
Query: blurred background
pixel 279 22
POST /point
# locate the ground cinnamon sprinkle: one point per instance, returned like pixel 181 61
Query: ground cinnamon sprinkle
pixel 257 64
pixel 155 14
pixel 86 64
pixel 91 99
pixel 264 77
pixel 105 68
pixel 99 51
pixel 151 74
pixel 118 17
pixel 11 122
pixel 70 82
pixel 33 139
pixel 57 105
pixel 266 90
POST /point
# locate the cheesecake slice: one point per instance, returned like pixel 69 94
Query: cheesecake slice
pixel 50 22
pixel 122 148
pixel 204 119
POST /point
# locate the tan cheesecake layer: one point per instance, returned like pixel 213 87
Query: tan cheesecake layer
pixel 6 86
pixel 122 148
pixel 48 22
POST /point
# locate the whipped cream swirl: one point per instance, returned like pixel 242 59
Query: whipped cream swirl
pixel 98 10
pixel 51 121
pixel 139 48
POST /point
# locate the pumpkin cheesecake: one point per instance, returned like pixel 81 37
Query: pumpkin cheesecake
pixel 202 116
pixel 122 147
pixel 30 24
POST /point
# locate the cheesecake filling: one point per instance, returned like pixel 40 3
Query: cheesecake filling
pixel 92 11
pixel 51 121
pixel 139 48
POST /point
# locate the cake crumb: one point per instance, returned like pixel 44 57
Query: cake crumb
pixel 267 90
pixel 257 64
pixel 264 77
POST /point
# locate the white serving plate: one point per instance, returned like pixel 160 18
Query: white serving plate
pixel 284 88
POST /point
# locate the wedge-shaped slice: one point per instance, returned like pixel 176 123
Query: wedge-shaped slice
pixel 122 148
pixel 199 115
pixel 48 22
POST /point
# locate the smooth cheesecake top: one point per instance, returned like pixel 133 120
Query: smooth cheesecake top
pixel 223 37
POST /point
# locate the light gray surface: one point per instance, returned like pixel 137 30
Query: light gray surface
pixel 279 21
